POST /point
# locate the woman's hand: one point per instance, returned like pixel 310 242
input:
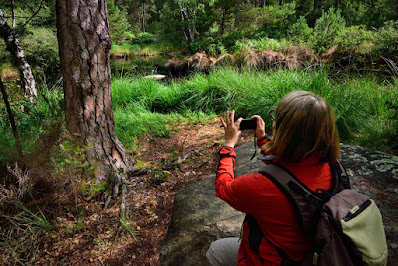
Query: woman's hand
pixel 231 128
pixel 260 129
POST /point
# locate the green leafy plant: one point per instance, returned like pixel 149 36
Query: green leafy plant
pixel 300 32
pixel 91 188
pixel 126 223
pixel 326 28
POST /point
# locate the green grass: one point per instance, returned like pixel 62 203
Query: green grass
pixel 148 106
pixel 365 108
pixel 32 119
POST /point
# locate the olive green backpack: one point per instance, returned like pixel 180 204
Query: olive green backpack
pixel 347 225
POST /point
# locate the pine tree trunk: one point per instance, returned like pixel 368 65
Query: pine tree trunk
pixel 84 44
pixel 27 80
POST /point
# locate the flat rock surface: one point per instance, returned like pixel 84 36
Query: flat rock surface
pixel 199 217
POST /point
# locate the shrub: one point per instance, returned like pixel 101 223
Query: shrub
pixel 326 28
pixel 144 38
pixel 119 27
pixel 357 37
pixel 300 32
pixel 263 44
pixel 387 37
pixel 41 48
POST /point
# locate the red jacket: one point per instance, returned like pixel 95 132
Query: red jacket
pixel 256 195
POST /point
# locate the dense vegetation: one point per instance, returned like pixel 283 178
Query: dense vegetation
pixel 360 80
pixel 364 31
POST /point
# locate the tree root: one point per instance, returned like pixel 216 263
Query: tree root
pixel 119 181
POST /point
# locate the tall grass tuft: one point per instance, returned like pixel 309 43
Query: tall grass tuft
pixel 359 103
pixel 32 119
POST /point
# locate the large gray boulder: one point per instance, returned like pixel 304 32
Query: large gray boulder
pixel 199 217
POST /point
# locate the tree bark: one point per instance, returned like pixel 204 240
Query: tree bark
pixel 84 44
pixel 27 80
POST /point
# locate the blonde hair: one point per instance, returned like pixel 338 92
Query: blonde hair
pixel 304 125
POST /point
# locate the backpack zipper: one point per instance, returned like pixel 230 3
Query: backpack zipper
pixel 354 214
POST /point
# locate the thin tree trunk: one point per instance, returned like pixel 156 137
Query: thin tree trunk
pixel 222 23
pixel 13 14
pixel 27 80
pixel 12 122
pixel 256 3
pixel 315 5
pixel 143 17
pixel 84 44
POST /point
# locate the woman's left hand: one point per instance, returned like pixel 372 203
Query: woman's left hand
pixel 231 128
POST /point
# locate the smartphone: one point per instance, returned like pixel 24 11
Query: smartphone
pixel 248 123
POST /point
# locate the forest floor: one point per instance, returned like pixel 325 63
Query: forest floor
pixel 84 233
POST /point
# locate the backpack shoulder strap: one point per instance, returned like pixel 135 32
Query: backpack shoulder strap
pixel 342 174
pixel 306 203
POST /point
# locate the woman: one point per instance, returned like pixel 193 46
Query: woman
pixel 305 140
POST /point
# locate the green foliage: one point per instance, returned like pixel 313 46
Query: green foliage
pixel 144 38
pixel 300 32
pixel 126 223
pixel 359 103
pixel 326 28
pixel 357 37
pixel 273 20
pixel 263 44
pixel 136 120
pixel 119 26
pixel 70 161
pixel 160 176
pixel 91 188
pixel 32 120
pixel 387 37
pixel 41 48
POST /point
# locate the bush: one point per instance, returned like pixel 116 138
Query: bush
pixel 144 38
pixel 357 37
pixel 326 28
pixel 119 27
pixel 41 48
pixel 387 37
pixel 300 32
pixel 263 44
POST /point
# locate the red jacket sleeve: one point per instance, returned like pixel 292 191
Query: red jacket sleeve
pixel 238 193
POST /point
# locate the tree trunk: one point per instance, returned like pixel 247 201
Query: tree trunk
pixel 27 80
pixel 315 6
pixel 143 17
pixel 256 3
pixel 13 14
pixel 84 44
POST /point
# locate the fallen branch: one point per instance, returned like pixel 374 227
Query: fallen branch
pixel 175 163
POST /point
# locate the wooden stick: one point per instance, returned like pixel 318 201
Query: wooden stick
pixel 12 121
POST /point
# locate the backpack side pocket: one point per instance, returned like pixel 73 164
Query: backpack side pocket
pixel 364 226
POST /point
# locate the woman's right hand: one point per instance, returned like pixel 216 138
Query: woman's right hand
pixel 260 129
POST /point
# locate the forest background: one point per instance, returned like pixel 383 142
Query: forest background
pixel 351 54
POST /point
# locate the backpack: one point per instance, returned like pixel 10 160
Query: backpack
pixel 347 225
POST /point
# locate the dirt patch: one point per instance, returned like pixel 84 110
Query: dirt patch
pixel 84 233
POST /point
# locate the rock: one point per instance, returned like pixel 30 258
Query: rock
pixel 199 217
